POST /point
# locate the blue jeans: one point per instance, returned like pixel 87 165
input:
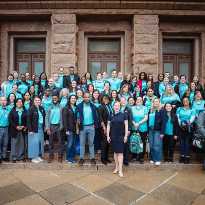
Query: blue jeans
pixel 88 131
pixel 70 149
pixel 155 142
pixel 4 139
pixel 185 145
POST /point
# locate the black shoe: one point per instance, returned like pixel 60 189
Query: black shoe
pixel 6 159
pixel 187 161
pixel 126 164
pixel 93 162
pixel 133 160
pixel 103 161
pixel 80 163
pixel 170 160
pixel 0 161
pixel 141 161
pixel 166 160
pixel 14 161
pixel 108 160
pixel 181 159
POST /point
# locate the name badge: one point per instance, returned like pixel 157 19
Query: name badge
pixel 6 115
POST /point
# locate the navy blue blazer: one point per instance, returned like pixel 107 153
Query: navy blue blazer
pixel 160 121
pixel 79 109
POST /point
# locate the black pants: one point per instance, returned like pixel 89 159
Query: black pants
pixel 168 144
pixel 126 151
pixel 97 139
pixel 143 138
pixel 46 137
pixel 105 145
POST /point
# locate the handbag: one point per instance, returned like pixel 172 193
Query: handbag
pixel 136 144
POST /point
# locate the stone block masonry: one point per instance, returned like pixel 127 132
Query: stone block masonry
pixel 145 44
pixel 63 42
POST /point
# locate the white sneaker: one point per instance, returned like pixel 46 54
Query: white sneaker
pixel 151 162
pixel 35 160
pixel 157 163
pixel 47 142
pixel 39 159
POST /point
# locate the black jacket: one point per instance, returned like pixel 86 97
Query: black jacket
pixel 54 91
pixel 134 95
pixel 69 119
pixel 156 86
pixel 128 112
pixel 125 82
pixel 175 123
pixel 14 121
pixel 67 82
pixel 102 94
pixel 145 91
pixel 103 114
pixel 32 118
pixel 177 90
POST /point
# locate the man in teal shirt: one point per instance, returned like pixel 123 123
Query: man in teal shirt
pixel 61 76
pixel 114 81
pixel 181 88
pixel 7 86
pixel 4 129
pixel 23 85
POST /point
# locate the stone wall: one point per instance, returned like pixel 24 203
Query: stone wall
pixel 145 44
pixel 63 43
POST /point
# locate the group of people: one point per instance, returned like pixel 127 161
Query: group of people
pixel 104 111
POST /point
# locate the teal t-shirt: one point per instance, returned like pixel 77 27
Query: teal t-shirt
pixel 169 126
pixel 183 89
pixel 57 84
pixel 18 95
pixel 99 85
pixel 47 103
pixel 199 106
pixel 36 89
pixel 97 104
pixel 152 118
pixel 71 78
pixel 40 119
pixel 73 108
pixel 79 101
pixel 89 81
pixel 55 115
pixel 9 88
pixel 26 105
pixel 113 101
pixel 138 115
pixel 61 80
pixel 87 114
pixel 43 83
pixel 114 83
pixel 19 114
pixel 144 84
pixel 64 101
pixel 148 102
pixel 185 114
pixel 169 99
pixel 161 88
pixel 4 116
pixel 73 92
pixel 22 88
pixel 191 96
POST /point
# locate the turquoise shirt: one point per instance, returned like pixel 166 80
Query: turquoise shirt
pixel 87 114
pixel 47 103
pixel 64 101
pixel 169 126
pixel 16 81
pixel 43 83
pixel 9 88
pixel 55 115
pixel 183 89
pixel 89 81
pixel 174 84
pixel 114 83
pixel 4 116
pixel 144 84
pixel 191 96
pixel 161 88
pixel 79 101
pixel 19 114
pixel 73 108
pixel 26 105
pixel 40 119
pixel 51 87
pixel 10 106
pixel 71 78
pixel 152 118
pixel 31 82
pixel 57 84
pixel 23 88
pixel 185 114
pixel 138 115
pixel 99 85
pixel 97 104
pixel 107 93
pixel 170 98
pixel 137 94
pixel 73 92
pixel 61 80
pixel 18 95
pixel 36 89
pixel 113 101
pixel 199 106
pixel 148 102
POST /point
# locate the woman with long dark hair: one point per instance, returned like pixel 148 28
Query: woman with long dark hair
pixel 79 95
pixel 17 123
pixel 190 91
pixel 44 81
pixel 32 91
pixel 90 90
pixel 37 86
pixel 11 100
pixel 124 92
pixel 73 88
pixel 88 78
pixel 142 80
pixel 27 100
pixel 198 85
pixel 83 84
pixel 16 92
pixel 114 97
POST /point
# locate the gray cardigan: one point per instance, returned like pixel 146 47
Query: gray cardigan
pixel 201 125
pixel 48 117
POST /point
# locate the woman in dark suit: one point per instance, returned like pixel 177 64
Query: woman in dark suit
pixel 118 136
pixel 104 110
pixel 17 122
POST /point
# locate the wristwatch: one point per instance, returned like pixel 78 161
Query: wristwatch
pixel 104 128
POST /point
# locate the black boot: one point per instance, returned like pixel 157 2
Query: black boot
pixel 104 161
pixel 187 161
pixel 181 159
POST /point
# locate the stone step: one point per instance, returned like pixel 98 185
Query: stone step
pixel 136 166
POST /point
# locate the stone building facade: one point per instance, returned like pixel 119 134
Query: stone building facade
pixel 130 36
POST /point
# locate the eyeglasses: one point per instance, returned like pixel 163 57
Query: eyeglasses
pixel 185 101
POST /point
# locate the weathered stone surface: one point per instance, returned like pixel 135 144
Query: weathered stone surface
pixel 146 49
pixel 146 29
pixel 64 19
pixel 146 19
pixel 63 28
pixel 63 48
pixel 63 38
pixel 63 59
pixel 146 59
pixel 146 39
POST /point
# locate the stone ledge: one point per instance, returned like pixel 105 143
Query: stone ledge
pixel 64 28
pixel 63 48
pixel 64 18
pixel 63 38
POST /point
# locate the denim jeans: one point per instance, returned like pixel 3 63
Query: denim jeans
pixel 4 139
pixel 70 149
pixel 185 145
pixel 89 132
pixel 155 142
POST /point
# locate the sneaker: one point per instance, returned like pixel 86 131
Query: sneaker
pixel 93 162
pixel 70 161
pixel 133 160
pixel 187 161
pixel 40 159
pixel 35 160
pixel 151 162
pixel 157 163
pixel 170 160
pixel 99 151
pixel 141 161
pixel 181 160
pixel 6 159
pixel 166 160
pixel 74 160
pixel 80 163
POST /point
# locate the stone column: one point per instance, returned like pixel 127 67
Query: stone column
pixel 63 43
pixel 145 44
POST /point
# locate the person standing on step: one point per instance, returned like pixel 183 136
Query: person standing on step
pixel 115 83
pixel 4 129
pixel 54 127
pixel 22 85
pixel 87 122
pixel 69 78
pixel 171 133
pixel 36 124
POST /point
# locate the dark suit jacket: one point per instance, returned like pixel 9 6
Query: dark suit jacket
pixel 66 80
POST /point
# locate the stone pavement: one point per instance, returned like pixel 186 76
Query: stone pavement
pixel 44 187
